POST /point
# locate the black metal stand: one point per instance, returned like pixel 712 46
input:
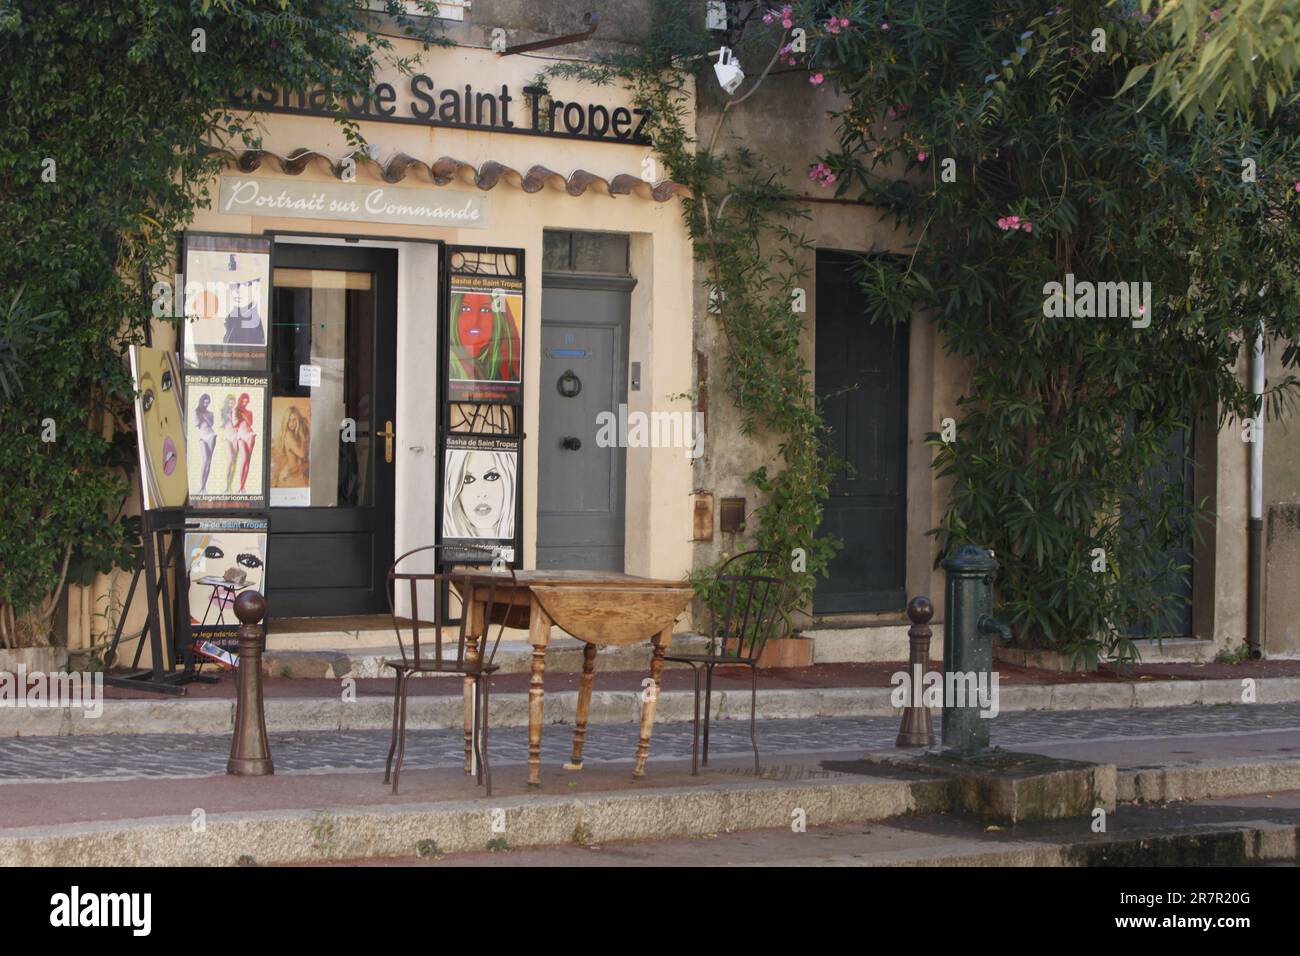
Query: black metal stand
pixel 164 534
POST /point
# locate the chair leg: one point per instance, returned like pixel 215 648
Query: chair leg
pixel 392 744
pixel 483 747
pixel 708 709
pixel 753 711
pixel 401 733
pixel 695 726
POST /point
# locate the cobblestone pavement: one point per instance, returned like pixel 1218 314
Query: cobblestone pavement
pixel 121 756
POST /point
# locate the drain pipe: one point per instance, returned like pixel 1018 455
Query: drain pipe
pixel 1255 528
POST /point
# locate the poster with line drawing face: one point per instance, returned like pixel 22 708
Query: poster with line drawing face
pixel 227 301
pixel 480 476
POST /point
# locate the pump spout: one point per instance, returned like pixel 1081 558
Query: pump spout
pixel 988 625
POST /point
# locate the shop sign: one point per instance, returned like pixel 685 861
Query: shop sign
pixel 433 206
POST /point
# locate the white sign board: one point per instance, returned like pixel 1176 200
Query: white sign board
pixel 354 202
pixel 309 375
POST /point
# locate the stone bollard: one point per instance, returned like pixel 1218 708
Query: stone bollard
pixel 917 729
pixel 250 754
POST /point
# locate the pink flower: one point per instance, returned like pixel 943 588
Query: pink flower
pixel 816 79
pixel 790 61
pixel 787 23
pixel 920 157
pixel 1205 35
pixel 1297 186
pixel 769 17
pixel 1216 13
pixel 833 25
pixel 1028 226
pixel 787 10
pixel 884 26
pixel 844 21
pixel 822 175
pixel 1002 224
pixel 1013 222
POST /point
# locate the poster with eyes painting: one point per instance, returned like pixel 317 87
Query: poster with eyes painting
pixel 227 291
pixel 480 479
pixel 225 417
pixel 224 558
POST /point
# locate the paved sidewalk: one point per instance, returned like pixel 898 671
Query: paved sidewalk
pixel 134 799
pixel 1116 736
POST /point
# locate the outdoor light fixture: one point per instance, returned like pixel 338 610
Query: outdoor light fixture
pixel 730 75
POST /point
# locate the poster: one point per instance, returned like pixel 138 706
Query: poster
pixel 290 452
pixel 224 416
pixel 224 558
pixel 159 427
pixel 485 339
pixel 227 301
pixel 480 475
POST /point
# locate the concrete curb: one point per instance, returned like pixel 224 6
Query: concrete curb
pixel 296 836
pixel 207 715
pixel 1237 843
pixel 1207 781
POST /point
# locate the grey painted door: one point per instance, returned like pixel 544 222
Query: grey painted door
pixel 861 375
pixel 584 372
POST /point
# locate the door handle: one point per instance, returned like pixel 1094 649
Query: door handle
pixel 388 435
pixel 571 443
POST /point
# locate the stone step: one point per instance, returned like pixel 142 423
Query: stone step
pixel 207 715
pixel 316 657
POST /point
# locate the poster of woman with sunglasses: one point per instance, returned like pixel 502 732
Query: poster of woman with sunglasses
pixel 227 301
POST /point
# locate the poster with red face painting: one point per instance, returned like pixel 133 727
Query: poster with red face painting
pixel 485 339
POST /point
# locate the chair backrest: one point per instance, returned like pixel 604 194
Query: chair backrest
pixel 745 604
pixel 449 580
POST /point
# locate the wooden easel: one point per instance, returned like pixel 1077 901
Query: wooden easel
pixel 164 535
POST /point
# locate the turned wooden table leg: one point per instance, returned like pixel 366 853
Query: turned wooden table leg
pixel 584 705
pixel 662 641
pixel 473 609
pixel 539 631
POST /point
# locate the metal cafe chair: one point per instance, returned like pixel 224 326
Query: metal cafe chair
pixel 461 651
pixel 744 612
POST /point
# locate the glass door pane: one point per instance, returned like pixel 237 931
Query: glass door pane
pixel 322 361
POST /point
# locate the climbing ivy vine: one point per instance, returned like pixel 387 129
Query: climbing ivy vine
pixel 744 228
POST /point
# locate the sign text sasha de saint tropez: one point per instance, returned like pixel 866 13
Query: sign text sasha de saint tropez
pixel 352 202
pixel 495 110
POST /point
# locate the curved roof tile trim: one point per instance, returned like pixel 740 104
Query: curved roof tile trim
pixel 445 169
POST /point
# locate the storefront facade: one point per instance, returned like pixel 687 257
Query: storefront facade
pixel 477 188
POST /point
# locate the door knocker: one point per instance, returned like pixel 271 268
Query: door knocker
pixel 569 384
